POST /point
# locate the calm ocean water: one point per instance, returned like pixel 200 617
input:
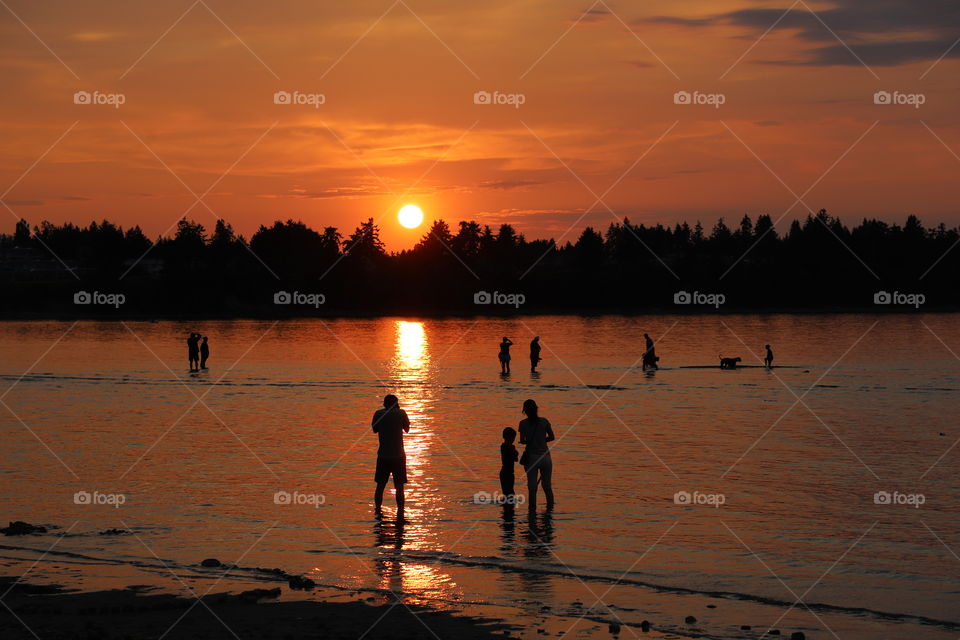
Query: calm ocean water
pixel 802 458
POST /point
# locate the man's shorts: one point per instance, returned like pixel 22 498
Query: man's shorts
pixel 386 466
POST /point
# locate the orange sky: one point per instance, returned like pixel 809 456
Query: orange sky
pixel 399 123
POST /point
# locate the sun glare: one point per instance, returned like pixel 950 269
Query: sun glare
pixel 410 216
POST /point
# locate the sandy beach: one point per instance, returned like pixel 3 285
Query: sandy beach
pixel 52 613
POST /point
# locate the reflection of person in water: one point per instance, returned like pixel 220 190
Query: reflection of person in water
pixel 204 353
pixel 537 540
pixel 535 354
pixel 504 356
pixel 388 564
pixel 390 423
pixel 508 458
pixel 508 530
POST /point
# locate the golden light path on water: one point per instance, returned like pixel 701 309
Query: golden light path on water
pixel 410 373
pixel 409 369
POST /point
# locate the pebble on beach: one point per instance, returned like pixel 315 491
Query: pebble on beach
pixel 690 619
pixel 255 595
pixel 210 562
pixel 614 628
pixel 645 626
pixel 798 635
pixel 301 582
pixel 20 528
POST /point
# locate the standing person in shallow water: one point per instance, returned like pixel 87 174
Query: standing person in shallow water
pixel 535 433
pixel 204 353
pixel 504 356
pixel 649 355
pixel 193 351
pixel 535 354
pixel 390 423
pixel 768 359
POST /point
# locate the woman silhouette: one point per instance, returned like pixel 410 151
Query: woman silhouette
pixel 504 356
pixel 535 433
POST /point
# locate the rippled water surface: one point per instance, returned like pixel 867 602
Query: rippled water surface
pixel 858 405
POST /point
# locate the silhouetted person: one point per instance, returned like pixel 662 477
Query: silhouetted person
pixel 535 354
pixel 390 423
pixel 508 457
pixel 535 433
pixel 504 356
pixel 193 351
pixel 768 359
pixel 649 355
pixel 204 353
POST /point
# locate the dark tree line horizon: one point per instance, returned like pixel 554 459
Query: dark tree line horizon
pixel 819 263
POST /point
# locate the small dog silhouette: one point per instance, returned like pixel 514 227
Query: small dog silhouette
pixel 729 363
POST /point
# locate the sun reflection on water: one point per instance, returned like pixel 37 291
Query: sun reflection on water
pixel 413 377
pixel 410 370
pixel 412 355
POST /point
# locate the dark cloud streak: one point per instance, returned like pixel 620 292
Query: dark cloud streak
pixel 882 32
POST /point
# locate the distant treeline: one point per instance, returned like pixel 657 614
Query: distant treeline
pixel 819 264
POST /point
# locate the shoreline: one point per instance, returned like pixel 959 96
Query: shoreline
pixel 146 599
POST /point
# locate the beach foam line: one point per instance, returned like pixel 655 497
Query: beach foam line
pixel 503 565
pixel 259 383
pixel 500 564
pixel 739 366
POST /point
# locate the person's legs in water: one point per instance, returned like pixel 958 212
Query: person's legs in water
pixel 533 478
pixel 507 484
pixel 546 479
pixel 398 488
pixel 378 495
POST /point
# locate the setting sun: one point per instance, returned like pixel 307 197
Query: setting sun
pixel 410 216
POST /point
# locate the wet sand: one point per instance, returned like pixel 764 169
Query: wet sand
pixel 51 613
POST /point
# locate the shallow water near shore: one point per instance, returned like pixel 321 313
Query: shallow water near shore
pixel 820 496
